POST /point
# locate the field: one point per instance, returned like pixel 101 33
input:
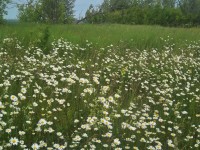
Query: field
pixel 126 36
pixel 104 87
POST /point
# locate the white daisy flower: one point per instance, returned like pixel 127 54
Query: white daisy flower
pixel 14 141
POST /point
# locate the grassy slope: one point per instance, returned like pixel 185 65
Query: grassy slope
pixel 141 37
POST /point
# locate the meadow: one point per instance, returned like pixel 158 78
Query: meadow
pixel 104 87
pixel 126 36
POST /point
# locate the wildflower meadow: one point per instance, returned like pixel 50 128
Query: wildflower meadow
pixel 69 97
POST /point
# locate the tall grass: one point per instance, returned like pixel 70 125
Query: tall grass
pixel 140 37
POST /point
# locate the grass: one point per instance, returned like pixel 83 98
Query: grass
pixel 61 95
pixel 141 37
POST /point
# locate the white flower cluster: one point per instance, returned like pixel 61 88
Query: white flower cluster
pixel 111 98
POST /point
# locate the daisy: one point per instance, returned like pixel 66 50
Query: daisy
pixel 14 98
pixel 35 146
pixel 14 141
pixel 42 122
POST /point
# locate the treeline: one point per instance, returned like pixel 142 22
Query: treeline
pixel 151 12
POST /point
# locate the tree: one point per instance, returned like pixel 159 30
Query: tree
pixel 105 6
pixel 190 6
pixel 93 15
pixel 49 11
pixel 31 11
pixel 168 3
pixel 3 4
pixel 53 10
pixel 119 4
pixel 69 5
pixel 89 15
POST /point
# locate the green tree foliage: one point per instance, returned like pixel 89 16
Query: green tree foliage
pixel 119 4
pixel 168 3
pixel 69 5
pixel 3 4
pixel 30 12
pixel 53 10
pixel 94 15
pixel 159 12
pixel 90 14
pixel 48 11
pixel 190 6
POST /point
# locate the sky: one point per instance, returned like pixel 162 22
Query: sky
pixel 79 10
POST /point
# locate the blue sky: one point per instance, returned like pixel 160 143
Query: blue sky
pixel 80 8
